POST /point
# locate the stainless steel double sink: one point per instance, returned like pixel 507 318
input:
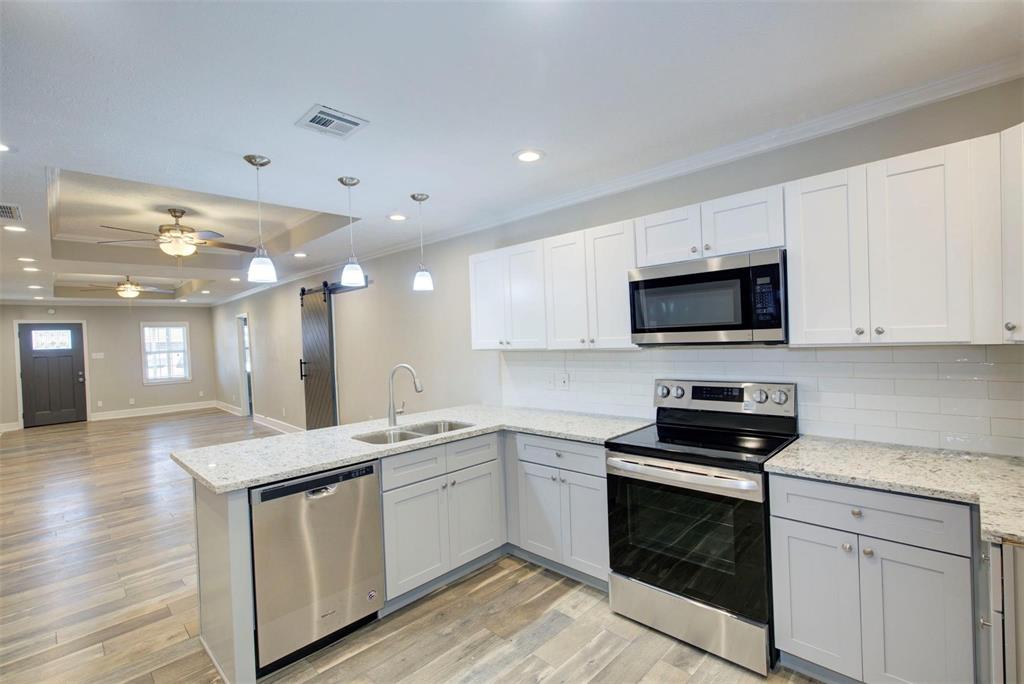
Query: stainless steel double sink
pixel 407 432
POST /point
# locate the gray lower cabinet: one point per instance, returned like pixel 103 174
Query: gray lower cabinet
pixel 872 609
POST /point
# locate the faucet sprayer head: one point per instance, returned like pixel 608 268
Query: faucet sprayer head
pixel 418 385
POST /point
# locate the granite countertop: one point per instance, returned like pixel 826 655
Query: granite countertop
pixel 994 483
pixel 227 467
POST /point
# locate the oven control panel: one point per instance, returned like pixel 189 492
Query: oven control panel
pixel 767 398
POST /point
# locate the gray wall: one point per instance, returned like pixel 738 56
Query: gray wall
pixel 115 331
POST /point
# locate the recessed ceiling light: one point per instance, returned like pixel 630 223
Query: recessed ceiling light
pixel 396 217
pixel 38 297
pixel 205 292
pixel 35 287
pixel 235 280
pixel 30 269
pixel 529 156
pixel 4 148
pixel 27 260
pixel 300 255
pixel 15 229
pixel 182 300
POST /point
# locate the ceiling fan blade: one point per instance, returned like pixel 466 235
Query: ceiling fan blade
pixel 114 242
pixel 127 230
pixel 228 245
pixel 208 234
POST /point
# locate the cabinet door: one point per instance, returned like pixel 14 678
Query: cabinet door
pixel 584 523
pixel 744 222
pixel 919 238
pixel 526 326
pixel 610 256
pixel 476 511
pixel 565 284
pixel 668 236
pixel 540 512
pixel 1012 142
pixel 827 258
pixel 416 541
pixel 488 286
pixel 916 614
pixel 816 595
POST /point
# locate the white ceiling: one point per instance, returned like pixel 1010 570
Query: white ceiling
pixel 173 94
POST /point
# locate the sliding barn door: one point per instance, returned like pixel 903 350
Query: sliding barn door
pixel 317 364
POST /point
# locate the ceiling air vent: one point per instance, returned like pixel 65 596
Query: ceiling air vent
pixel 327 120
pixel 10 212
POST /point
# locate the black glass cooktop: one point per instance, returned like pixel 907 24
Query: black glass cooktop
pixel 726 448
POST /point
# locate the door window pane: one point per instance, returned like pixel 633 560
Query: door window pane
pixel 51 339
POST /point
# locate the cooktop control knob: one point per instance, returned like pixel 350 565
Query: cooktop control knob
pixel 663 391
pixel 760 396
pixel 679 392
pixel 780 397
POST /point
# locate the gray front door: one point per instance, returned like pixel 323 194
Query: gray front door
pixel 316 367
pixel 52 373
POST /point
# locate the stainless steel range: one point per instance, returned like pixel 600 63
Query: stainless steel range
pixel 688 515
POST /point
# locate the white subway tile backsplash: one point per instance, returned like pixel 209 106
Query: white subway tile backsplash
pixel 962 397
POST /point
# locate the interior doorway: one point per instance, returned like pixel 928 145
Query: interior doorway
pixel 245 364
pixel 52 373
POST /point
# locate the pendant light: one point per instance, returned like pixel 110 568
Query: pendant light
pixel 261 268
pixel 422 281
pixel 352 275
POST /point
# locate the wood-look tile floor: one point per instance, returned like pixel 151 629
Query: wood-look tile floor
pixel 97 584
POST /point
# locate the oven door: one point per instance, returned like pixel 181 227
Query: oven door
pixel 691 530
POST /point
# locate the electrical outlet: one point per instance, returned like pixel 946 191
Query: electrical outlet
pixel 99 404
pixel 202 393
pixel 131 401
pixel 562 380
pixel 283 414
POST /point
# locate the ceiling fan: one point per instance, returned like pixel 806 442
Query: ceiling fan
pixel 127 288
pixel 179 240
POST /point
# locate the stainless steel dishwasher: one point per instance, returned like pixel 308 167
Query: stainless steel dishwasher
pixel 318 558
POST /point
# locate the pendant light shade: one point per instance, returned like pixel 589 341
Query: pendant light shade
pixel 422 281
pixel 261 268
pixel 352 275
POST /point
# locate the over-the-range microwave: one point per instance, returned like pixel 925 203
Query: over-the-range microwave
pixel 733 299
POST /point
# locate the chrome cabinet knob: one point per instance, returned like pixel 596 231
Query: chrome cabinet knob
pixel 663 391
pixel 707 246
pixel 856 513
pixel 760 396
pixel 859 331
pixel 558 454
pixel 501 341
pixel 582 341
pixel 554 478
pixel 693 250
pixel 562 480
pixel 869 552
pixel 780 397
pixel 444 486
pixel 591 340
pixel 879 330
pixel 847 547
pixel 453 483
pixel 1010 326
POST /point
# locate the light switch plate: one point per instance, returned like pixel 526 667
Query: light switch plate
pixel 96 355
pixel 562 380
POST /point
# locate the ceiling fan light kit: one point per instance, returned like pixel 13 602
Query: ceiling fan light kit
pixel 261 268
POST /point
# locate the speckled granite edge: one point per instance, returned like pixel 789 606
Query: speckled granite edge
pixel 994 483
pixel 238 465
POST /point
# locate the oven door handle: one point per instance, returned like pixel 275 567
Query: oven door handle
pixel 734 487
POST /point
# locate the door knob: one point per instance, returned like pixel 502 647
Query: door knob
pixel 1010 326
pixel 879 330
pixel 869 552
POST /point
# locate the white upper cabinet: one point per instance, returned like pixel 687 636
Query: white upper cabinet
pixel 919 236
pixel 668 236
pixel 506 289
pixel 1012 143
pixel 827 258
pixel 610 256
pixel 587 288
pixel 744 222
pixel 565 264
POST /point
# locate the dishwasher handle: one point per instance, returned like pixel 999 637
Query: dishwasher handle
pixel 321 492
pixel 313 487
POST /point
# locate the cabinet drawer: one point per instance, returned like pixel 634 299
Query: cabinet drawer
pixel 412 466
pixel 472 451
pixel 921 522
pixel 559 453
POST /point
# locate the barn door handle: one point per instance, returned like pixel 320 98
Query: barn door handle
pixel 302 373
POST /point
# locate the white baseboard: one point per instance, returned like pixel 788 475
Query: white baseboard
pixel 151 410
pixel 275 424
pixel 10 427
pixel 229 408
